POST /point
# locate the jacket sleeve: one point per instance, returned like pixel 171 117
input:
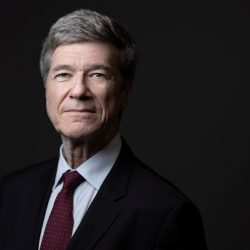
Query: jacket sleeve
pixel 182 230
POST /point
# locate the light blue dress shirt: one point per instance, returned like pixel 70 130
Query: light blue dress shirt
pixel 94 171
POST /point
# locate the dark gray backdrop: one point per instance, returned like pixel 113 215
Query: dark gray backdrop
pixel 188 114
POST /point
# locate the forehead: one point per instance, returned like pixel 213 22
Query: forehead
pixel 85 53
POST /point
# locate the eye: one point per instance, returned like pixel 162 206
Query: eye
pixel 98 75
pixel 62 76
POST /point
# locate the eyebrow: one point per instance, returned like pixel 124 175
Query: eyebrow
pixel 90 67
pixel 100 66
pixel 60 67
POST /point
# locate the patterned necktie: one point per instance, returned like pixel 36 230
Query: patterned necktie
pixel 58 230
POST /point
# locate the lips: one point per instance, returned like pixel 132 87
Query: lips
pixel 85 110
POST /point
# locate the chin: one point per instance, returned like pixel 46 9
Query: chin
pixel 78 133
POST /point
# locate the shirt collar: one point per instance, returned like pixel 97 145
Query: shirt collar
pixel 96 168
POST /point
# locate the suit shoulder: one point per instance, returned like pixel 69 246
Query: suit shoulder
pixel 31 173
pixel 156 188
pixel 148 184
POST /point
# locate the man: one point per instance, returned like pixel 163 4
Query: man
pixel 97 195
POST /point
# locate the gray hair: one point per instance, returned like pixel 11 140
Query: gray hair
pixel 87 25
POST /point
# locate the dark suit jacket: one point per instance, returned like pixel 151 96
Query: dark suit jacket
pixel 135 209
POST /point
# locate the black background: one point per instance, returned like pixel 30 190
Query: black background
pixel 187 117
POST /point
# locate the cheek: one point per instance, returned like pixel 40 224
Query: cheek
pixel 54 98
pixel 111 106
pixel 49 106
pixel 51 103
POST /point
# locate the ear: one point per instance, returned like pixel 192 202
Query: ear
pixel 126 89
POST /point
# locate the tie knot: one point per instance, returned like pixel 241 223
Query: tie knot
pixel 71 180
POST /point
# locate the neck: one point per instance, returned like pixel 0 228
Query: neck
pixel 77 152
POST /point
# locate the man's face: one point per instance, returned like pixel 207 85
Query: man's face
pixel 84 90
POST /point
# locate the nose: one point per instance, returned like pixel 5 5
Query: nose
pixel 79 88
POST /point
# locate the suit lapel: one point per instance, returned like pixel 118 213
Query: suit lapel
pixel 95 223
pixel 105 208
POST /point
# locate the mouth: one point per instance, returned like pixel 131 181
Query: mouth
pixel 80 111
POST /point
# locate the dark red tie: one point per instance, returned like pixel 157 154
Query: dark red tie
pixel 58 230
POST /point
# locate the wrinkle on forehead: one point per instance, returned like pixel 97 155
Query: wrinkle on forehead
pixel 84 54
